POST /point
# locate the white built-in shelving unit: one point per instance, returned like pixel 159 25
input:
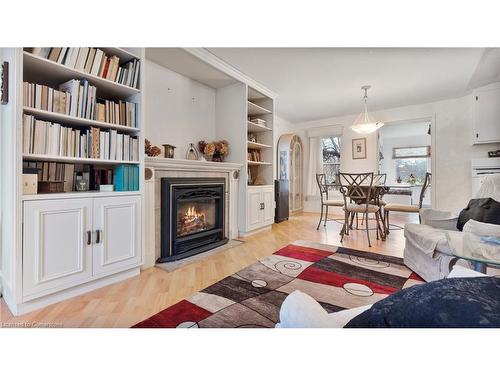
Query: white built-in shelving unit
pixel 57 245
pixel 238 100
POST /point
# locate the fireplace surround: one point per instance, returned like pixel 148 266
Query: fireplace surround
pixel 192 216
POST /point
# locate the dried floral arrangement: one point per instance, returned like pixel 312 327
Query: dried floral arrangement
pixel 151 150
pixel 215 151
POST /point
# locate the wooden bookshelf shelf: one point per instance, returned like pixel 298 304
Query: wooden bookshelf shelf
pixel 257 146
pixel 254 109
pixel 52 73
pixel 256 163
pixel 69 159
pixel 256 128
pixel 75 121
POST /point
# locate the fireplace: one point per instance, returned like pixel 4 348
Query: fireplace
pixel 192 216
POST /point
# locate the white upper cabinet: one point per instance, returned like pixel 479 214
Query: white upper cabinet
pixel 486 114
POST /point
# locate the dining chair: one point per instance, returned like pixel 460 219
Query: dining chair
pixel 356 189
pixel 407 208
pixel 325 201
pixel 379 180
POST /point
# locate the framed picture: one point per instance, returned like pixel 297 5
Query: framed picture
pixel 359 148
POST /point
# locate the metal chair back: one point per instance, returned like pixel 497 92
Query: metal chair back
pixel 425 186
pixel 322 186
pixel 357 187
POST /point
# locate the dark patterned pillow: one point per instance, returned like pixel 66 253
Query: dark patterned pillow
pixel 449 303
pixel 486 210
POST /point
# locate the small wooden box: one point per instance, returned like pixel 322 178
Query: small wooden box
pixel 30 183
pixel 51 186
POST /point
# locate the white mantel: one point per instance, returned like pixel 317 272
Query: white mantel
pixel 157 167
pixel 184 164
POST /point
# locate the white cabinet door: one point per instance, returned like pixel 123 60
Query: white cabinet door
pixel 254 209
pixel 117 234
pixel 487 116
pixel 268 200
pixel 56 254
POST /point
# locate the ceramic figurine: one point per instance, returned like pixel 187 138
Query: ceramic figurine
pixel 192 153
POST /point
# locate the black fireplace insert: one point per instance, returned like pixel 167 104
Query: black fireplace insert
pixel 192 216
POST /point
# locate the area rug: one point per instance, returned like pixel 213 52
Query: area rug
pixel 337 277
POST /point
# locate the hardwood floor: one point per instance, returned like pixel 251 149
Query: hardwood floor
pixel 130 301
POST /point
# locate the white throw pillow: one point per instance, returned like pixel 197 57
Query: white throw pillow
pixel 482 229
pixel 459 271
pixel 300 310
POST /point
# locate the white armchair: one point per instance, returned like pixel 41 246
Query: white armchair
pixel 429 246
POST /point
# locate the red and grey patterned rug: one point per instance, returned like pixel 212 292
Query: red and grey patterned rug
pixel 337 277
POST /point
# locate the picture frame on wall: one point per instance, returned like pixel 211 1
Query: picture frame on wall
pixel 359 148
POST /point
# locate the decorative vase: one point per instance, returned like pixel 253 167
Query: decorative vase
pixel 192 153
pixel 217 157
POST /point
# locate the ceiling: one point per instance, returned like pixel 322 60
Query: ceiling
pixel 315 83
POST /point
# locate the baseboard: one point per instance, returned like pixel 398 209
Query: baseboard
pixel 26 307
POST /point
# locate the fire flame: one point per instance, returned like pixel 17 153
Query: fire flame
pixel 191 212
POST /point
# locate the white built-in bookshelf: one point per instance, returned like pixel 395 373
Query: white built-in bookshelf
pixel 106 131
pixel 259 138
pixel 90 238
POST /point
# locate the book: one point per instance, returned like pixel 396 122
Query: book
pixel 54 53
pixel 72 87
pixel 69 170
pixel 97 62
pixel 62 55
pixel 90 60
pixel 71 56
pixel 82 58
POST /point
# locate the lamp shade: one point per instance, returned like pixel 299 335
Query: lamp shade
pixel 363 123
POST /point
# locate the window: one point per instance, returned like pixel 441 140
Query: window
pixel 330 147
pixel 411 162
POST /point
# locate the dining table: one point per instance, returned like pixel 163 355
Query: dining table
pixel 377 191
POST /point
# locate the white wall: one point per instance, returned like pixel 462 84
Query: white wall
pixel 179 110
pixel 453 149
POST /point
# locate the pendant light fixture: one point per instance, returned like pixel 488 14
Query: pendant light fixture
pixel 364 124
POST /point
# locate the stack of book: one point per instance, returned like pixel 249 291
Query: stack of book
pixel 78 98
pixel 258 121
pixel 93 61
pixel 47 138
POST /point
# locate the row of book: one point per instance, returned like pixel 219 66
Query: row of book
pixel 92 61
pixel 254 155
pixel 126 177
pixel 123 177
pixel 47 138
pixel 78 99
